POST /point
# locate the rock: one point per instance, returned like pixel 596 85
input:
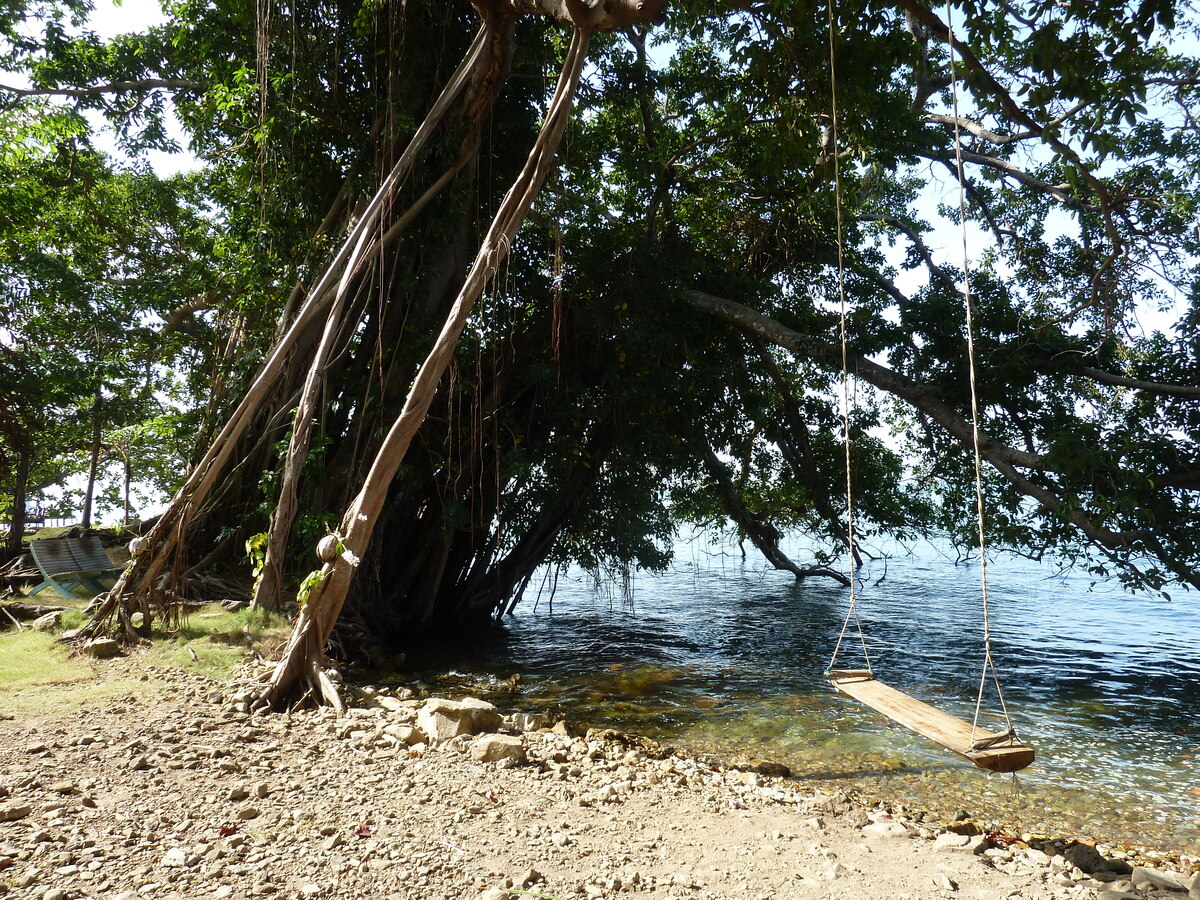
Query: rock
pixel 834 872
pixel 102 648
pixel 406 734
pixel 237 793
pixel 522 721
pixel 49 622
pixel 943 882
pixel 773 770
pixel 1085 857
pixel 951 842
pixel 1164 881
pixel 334 840
pixel 175 858
pixel 55 894
pixel 495 747
pixel 249 812
pixel 10 812
pixel 529 878
pixel 1039 858
pixel 886 830
pixel 495 894
pixel 63 787
pixel 485 716
pixel 440 720
pixel 262 790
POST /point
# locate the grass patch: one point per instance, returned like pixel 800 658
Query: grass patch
pixel 215 641
pixel 42 679
pixel 32 659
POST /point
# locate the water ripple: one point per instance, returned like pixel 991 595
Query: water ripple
pixel 727 655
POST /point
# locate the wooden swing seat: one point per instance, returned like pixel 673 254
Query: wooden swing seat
pixel 988 750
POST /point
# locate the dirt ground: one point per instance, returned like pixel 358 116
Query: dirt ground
pixel 185 795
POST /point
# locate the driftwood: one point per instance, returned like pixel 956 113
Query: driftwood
pixel 25 611
pixel 21 568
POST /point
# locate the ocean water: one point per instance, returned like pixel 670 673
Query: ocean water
pixel 721 654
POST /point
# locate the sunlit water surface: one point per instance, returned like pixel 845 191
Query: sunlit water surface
pixel 721 655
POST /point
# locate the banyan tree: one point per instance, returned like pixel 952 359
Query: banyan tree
pixel 579 283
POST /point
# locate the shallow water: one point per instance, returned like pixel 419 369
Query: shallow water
pixel 721 655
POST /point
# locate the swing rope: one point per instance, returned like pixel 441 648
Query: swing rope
pixel 989 664
pixel 852 612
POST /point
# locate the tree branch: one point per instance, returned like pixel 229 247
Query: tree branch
pixel 1004 459
pixel 1057 191
pixel 113 87
pixel 978 130
pixel 762 533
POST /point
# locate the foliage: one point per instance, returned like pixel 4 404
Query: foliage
pixel 94 261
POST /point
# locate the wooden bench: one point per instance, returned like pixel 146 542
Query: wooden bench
pixel 66 563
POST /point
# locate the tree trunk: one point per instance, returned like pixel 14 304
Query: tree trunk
pixel 94 462
pixel 20 484
pixel 488 79
pixel 796 448
pixel 137 580
pixel 125 493
pixel 304 655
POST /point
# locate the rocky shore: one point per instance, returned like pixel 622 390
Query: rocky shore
pixel 403 797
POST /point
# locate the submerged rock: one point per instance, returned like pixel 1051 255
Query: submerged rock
pixel 1085 857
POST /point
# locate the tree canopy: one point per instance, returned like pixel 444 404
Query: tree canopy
pixel 659 344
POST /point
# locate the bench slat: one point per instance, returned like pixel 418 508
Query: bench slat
pixel 52 556
pixel 89 555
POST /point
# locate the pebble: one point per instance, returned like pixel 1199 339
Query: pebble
pixel 438 826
